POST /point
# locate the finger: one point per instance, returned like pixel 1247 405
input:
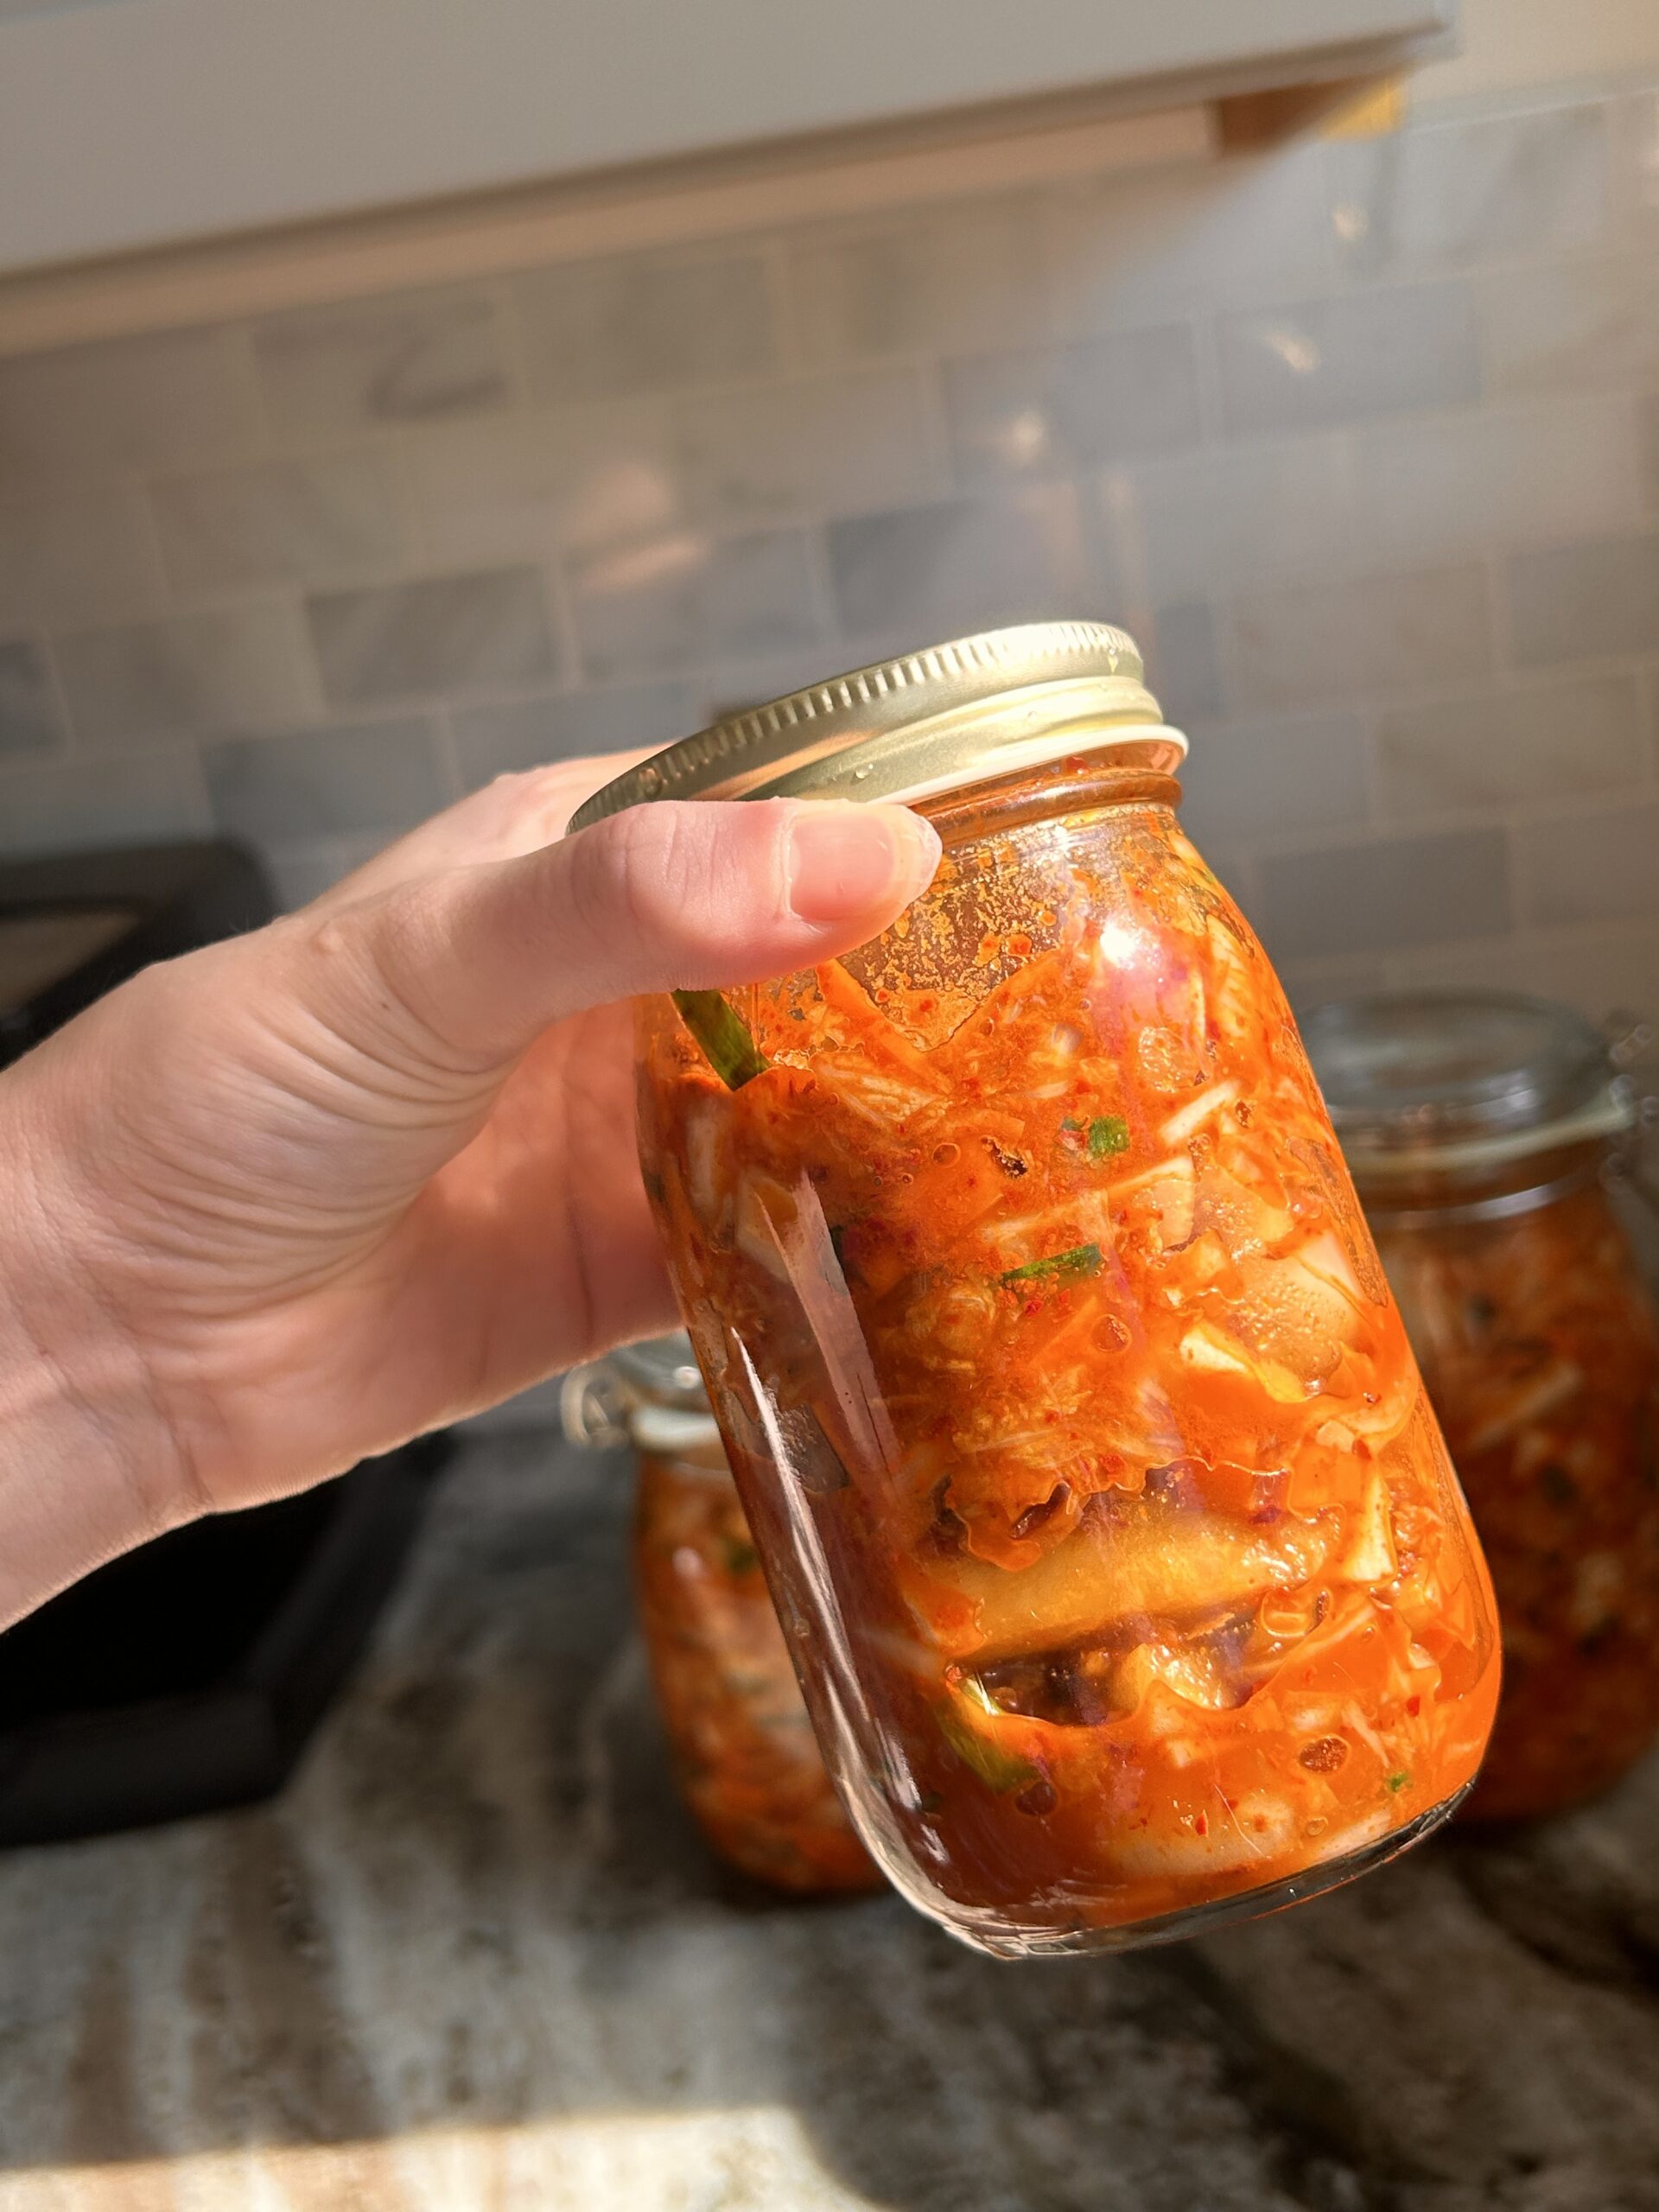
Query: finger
pixel 516 813
pixel 661 897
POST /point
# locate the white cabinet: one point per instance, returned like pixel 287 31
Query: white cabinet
pixel 129 123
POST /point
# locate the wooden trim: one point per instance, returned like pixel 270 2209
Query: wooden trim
pixel 262 272
pixel 1348 107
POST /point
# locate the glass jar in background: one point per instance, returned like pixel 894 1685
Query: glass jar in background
pixel 1077 1429
pixel 1481 1129
pixel 744 1750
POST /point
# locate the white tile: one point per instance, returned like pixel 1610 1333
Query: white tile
pixel 413 358
pixel 1331 642
pixel 279 521
pixel 645 323
pixel 1315 362
pixel 1598 866
pixel 1290 777
pixel 355 778
pixel 235 667
pixel 521 488
pixel 688 599
pixel 1449 195
pixel 923 574
pixel 1232 515
pixel 136 800
pixel 160 398
pixel 1579 324
pixel 436 635
pixel 1583 601
pixel 1140 247
pixel 951 280
pixel 1603 972
pixel 1488 751
pixel 819 446
pixel 74 551
pixel 520 733
pixel 1635 132
pixel 1500 478
pixel 1039 413
pixel 1369 899
pixel 1183 648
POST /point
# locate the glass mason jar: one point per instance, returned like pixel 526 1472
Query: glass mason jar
pixel 1128 1581
pixel 1482 1130
pixel 744 1751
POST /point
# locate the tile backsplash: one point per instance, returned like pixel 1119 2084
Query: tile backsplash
pixel 1360 438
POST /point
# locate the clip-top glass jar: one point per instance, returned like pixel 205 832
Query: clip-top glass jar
pixel 1129 1582
pixel 744 1750
pixel 1481 1129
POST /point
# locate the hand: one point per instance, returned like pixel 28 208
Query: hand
pixel 291 1200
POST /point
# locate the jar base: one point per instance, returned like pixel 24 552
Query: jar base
pixel 1004 1942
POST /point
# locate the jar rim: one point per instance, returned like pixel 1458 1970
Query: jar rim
pixel 1457 1081
pixel 918 724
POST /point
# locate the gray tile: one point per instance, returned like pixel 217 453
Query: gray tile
pixel 1578 325
pixel 1491 750
pixel 1232 516
pixel 1341 361
pixel 241 665
pixel 74 551
pixel 69 806
pixel 1499 477
pixel 1590 867
pixel 29 721
pixel 416 358
pixel 676 601
pixel 1446 195
pixel 521 487
pixel 1152 244
pixel 1256 781
pixel 567 725
pixel 822 446
pixel 159 399
pixel 602 330
pixel 1184 662
pixel 324 783
pixel 1371 898
pixel 279 521
pixel 1036 413
pixel 924 574
pixel 1576 602
pixel 945 281
pixel 438 634
pixel 1333 641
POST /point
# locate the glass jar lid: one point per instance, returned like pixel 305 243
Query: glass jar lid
pixel 923 722
pixel 1432 1081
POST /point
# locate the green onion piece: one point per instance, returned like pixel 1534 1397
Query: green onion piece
pixel 1108 1132
pixel 999 1769
pixel 740 1558
pixel 1083 1260
pixel 724 1036
pixel 1394 1784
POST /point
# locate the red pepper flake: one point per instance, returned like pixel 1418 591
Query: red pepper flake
pixel 1413 1707
pixel 1201 1824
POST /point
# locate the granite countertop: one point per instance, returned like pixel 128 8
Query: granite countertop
pixel 477 1961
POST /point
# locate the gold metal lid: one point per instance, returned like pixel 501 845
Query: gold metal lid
pixel 924 722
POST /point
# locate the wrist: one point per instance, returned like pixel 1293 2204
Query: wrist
pixel 88 1465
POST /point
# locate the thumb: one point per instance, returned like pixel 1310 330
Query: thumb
pixel 665 896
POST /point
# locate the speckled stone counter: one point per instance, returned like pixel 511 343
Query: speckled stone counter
pixel 476 1961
